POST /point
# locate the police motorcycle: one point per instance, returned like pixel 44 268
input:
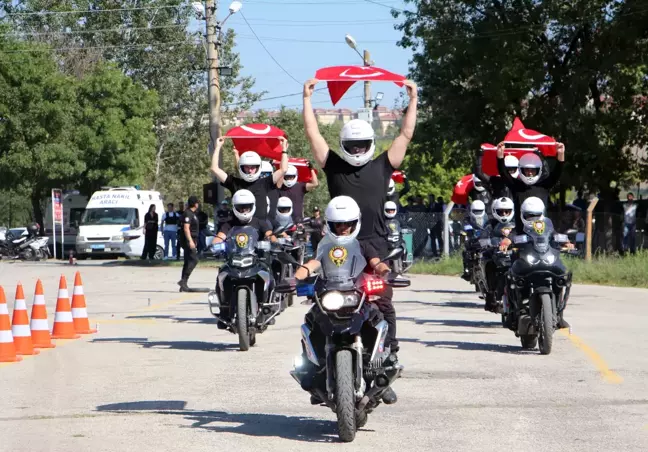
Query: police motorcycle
pixel 473 231
pixel 344 363
pixel 244 300
pixel 538 283
pixel 401 262
pixel 494 263
pixel 30 248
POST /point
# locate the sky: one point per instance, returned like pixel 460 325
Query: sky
pixel 286 26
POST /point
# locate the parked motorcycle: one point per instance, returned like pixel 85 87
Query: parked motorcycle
pixel 244 300
pixel 30 248
pixel 537 286
pixel 344 362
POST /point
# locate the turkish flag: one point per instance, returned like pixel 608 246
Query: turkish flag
pixel 462 189
pixel 303 171
pixel 340 78
pixel 260 138
pixel 398 177
pixel 521 137
pixel 489 159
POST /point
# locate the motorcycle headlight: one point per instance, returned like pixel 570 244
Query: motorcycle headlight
pixel 242 262
pixel 333 301
pixel 550 259
pixel 531 259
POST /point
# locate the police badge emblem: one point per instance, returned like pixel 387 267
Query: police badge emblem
pixel 539 226
pixel 241 240
pixel 338 255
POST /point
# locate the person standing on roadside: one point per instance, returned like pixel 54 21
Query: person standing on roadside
pixel 317 226
pixel 151 223
pixel 630 225
pixel 190 228
pixel 170 222
pixel 179 232
pixel 356 174
pixel 203 221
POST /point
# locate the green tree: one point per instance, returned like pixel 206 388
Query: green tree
pixel 575 70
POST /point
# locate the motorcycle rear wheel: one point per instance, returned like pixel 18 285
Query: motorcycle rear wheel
pixel 242 320
pixel 344 396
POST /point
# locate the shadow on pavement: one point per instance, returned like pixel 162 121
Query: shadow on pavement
pixel 452 322
pixel 445 304
pixel 206 320
pixel 473 346
pixel 446 291
pixel 296 428
pixel 170 345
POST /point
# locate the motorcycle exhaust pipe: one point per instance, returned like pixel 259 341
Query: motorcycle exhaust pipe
pixel 381 382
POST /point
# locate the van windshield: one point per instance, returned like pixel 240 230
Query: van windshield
pixel 109 215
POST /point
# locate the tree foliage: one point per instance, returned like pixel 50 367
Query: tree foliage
pixel 575 70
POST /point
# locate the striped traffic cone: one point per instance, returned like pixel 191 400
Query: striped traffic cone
pixel 63 325
pixel 39 325
pixel 20 325
pixel 79 311
pixel 7 347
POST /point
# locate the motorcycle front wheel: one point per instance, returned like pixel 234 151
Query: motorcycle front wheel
pixel 547 325
pixel 242 320
pixel 344 396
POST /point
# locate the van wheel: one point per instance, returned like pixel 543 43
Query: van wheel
pixel 159 253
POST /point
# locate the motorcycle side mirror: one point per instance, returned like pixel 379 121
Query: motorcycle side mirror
pixel 286 258
pixel 279 230
pixel 394 254
pixel 286 286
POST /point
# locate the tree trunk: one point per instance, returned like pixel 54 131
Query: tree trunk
pixel 158 162
pixel 36 207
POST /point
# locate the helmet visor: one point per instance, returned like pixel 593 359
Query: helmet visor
pixel 530 172
pixel 244 208
pixel 342 228
pixel 290 177
pixel 283 209
pixel 531 216
pixel 390 211
pixel 478 213
pixel 357 147
pixel 250 169
pixel 503 212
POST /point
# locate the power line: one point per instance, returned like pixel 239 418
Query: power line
pixel 91 11
pixel 268 52
pixel 273 97
pixel 71 49
pixel 104 30
pixel 387 6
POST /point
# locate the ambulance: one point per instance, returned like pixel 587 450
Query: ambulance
pixel 113 221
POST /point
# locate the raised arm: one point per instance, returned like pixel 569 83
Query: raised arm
pixel 406 187
pixel 478 169
pixel 314 183
pixel 553 177
pixel 319 147
pixel 397 150
pixel 215 169
pixel 284 162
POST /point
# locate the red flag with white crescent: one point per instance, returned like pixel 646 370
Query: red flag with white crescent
pixel 340 78
pixel 260 138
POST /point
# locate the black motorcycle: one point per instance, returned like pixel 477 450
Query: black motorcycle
pixel 490 275
pixel 537 286
pixel 399 263
pixel 344 362
pixel 244 296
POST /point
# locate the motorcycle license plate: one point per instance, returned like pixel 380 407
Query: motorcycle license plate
pixel 97 247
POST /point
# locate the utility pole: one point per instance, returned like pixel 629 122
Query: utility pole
pixel 212 38
pixel 367 85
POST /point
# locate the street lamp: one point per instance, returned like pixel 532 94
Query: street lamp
pixel 366 60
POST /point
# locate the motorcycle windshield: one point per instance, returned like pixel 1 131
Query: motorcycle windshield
pixel 341 264
pixel 540 233
pixel 242 240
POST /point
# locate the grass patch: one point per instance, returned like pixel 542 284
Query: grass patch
pixel 608 270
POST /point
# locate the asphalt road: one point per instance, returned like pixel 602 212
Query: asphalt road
pixel 159 376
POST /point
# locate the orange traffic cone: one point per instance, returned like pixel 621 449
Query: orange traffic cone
pixel 79 311
pixel 7 347
pixel 39 325
pixel 20 325
pixel 63 325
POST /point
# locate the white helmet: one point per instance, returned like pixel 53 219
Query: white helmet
pixel 284 207
pixel 244 205
pixel 357 142
pixel 342 209
pixel 503 209
pixel 266 169
pixel 530 168
pixel 478 212
pixel 392 187
pixel 479 186
pixel 512 165
pixel 290 178
pixel 532 210
pixel 250 158
pixel 390 209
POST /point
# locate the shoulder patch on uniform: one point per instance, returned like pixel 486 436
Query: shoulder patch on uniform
pixel 186 218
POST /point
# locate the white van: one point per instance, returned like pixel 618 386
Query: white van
pixel 109 214
pixel 73 207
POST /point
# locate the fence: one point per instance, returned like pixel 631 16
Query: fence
pixel 607 229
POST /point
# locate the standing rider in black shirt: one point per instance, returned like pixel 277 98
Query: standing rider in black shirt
pixel 289 187
pixel 249 166
pixel 189 237
pixel 353 173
